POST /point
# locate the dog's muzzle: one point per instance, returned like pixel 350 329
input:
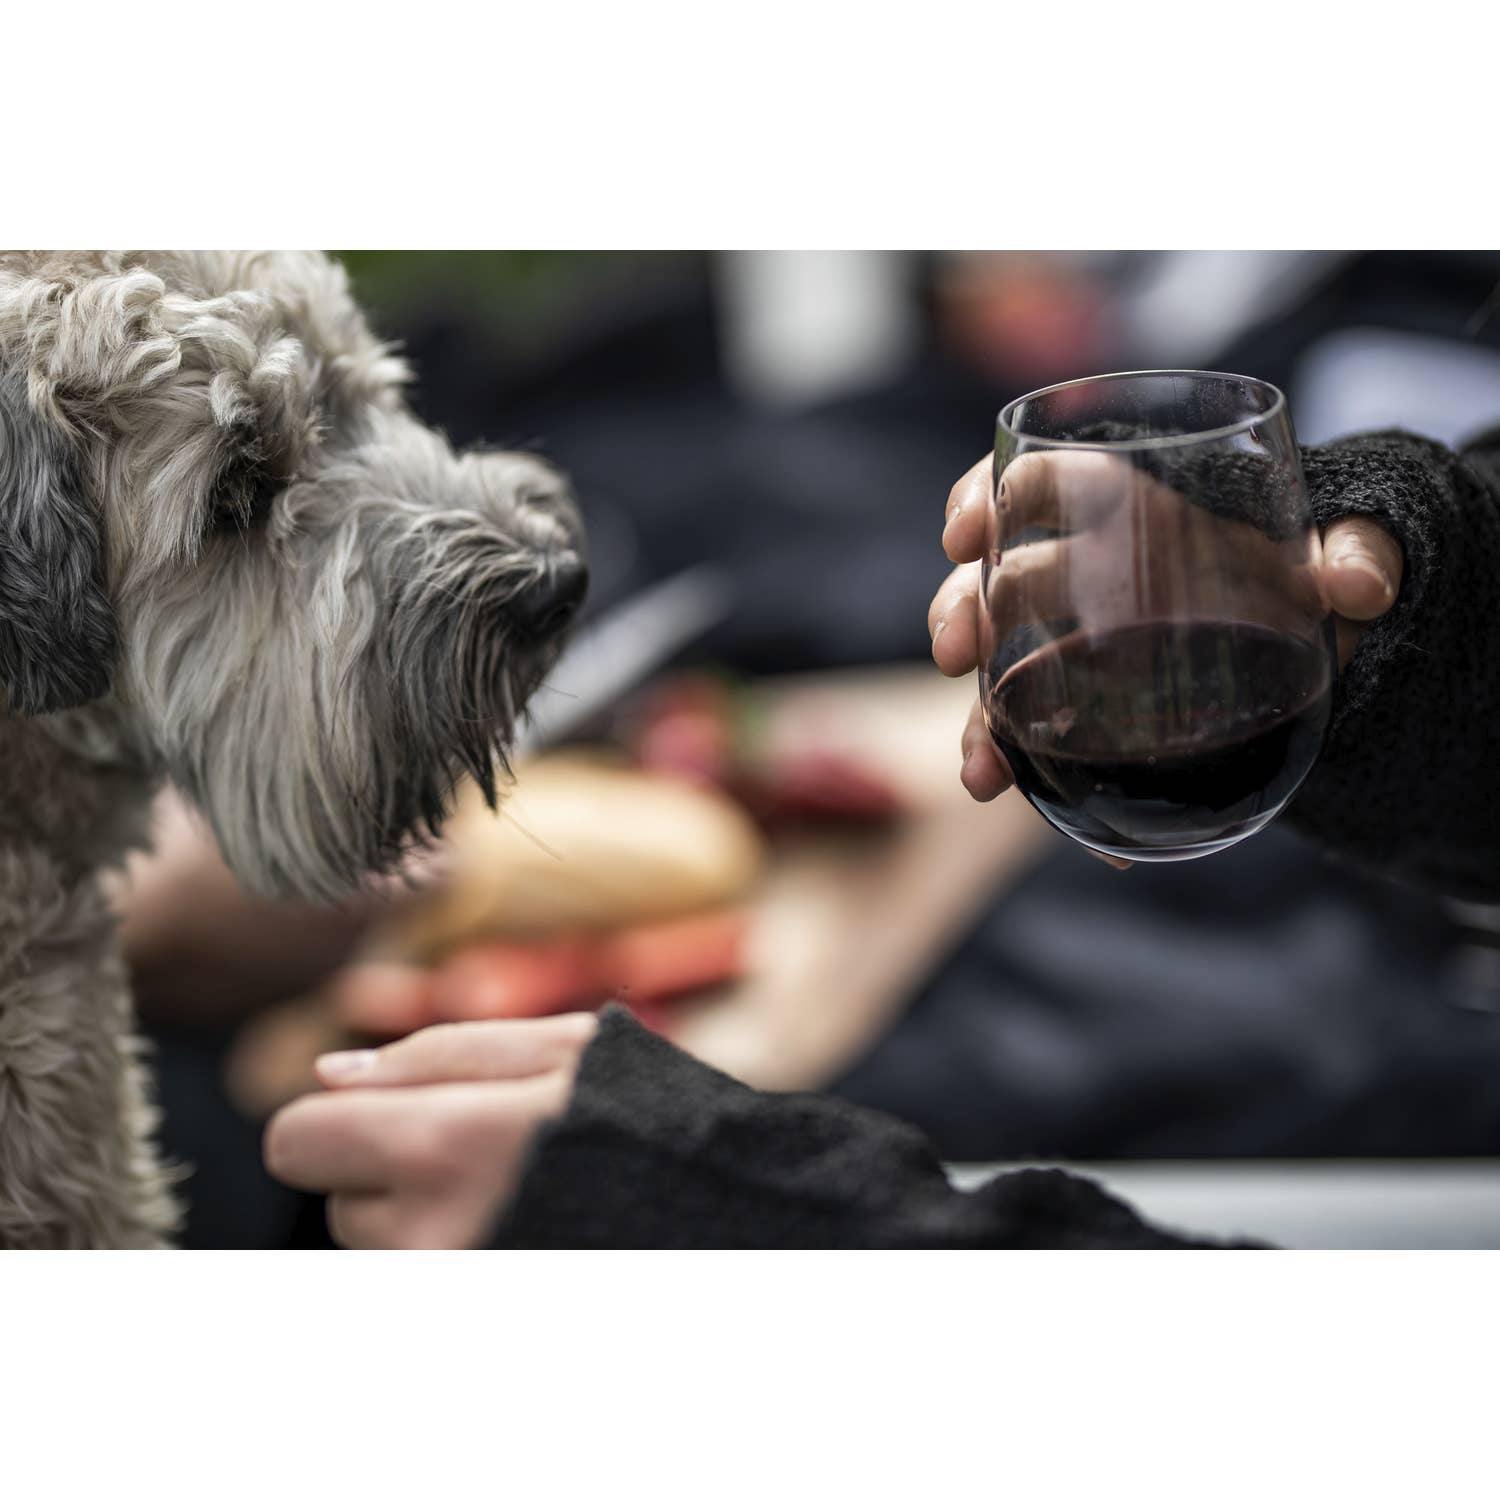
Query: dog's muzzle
pixel 544 608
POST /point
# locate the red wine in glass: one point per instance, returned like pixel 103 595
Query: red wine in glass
pixel 1164 739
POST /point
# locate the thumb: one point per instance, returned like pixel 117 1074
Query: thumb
pixel 463 1052
pixel 1362 568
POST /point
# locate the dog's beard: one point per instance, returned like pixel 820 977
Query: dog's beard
pixel 327 737
pixel 462 675
pixel 333 810
pixel 461 687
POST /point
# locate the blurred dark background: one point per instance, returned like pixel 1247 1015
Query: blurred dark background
pixel 799 418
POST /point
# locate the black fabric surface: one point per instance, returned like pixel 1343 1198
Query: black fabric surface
pixel 658 1151
pixel 1266 1002
pixel 1409 780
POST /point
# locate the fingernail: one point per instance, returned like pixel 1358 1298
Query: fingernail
pixel 342 1066
pixel 1361 562
pixel 939 628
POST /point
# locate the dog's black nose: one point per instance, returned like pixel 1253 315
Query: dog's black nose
pixel 547 605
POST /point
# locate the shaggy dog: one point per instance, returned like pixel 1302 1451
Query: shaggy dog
pixel 229 556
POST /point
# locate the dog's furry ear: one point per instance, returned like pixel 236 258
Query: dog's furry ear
pixel 57 629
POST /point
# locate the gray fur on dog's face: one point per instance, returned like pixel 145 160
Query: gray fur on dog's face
pixel 221 525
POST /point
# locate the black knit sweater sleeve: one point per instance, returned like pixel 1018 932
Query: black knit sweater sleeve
pixel 658 1151
pixel 1409 780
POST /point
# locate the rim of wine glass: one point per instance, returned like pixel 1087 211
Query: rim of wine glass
pixel 1276 409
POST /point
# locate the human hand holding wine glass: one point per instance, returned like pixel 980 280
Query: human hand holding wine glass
pixel 1145 598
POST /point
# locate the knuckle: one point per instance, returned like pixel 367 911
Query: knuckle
pixel 570 1036
pixel 578 1026
pixel 560 1045
pixel 422 1048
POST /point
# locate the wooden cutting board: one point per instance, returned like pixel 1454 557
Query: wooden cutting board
pixel 845 924
pixel 848 924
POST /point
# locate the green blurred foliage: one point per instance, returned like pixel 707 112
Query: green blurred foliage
pixel 396 279
pixel 496 286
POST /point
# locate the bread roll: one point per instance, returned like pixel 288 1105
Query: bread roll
pixel 580 844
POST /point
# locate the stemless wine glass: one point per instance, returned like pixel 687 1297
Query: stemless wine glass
pixel 1156 657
